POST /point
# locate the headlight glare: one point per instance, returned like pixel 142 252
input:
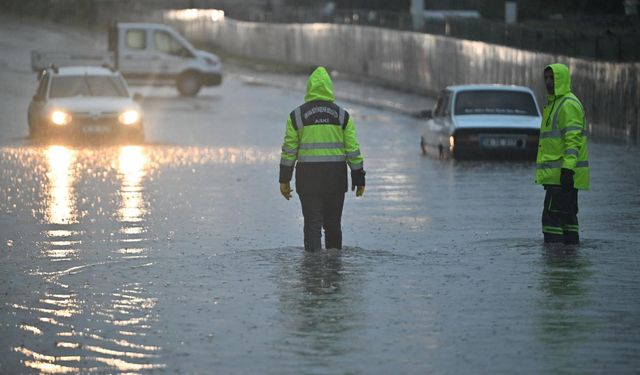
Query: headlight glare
pixel 60 118
pixel 129 117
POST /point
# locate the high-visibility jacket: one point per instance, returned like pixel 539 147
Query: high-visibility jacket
pixel 563 135
pixel 320 140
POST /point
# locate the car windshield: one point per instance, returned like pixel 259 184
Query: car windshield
pixel 86 85
pixel 495 102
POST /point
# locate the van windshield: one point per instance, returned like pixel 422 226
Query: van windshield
pixel 86 85
pixel 495 102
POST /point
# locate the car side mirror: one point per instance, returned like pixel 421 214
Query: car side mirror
pixel 137 97
pixel 425 114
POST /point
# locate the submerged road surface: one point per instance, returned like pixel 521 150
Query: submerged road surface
pixel 180 255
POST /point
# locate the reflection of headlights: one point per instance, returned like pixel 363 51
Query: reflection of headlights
pixel 60 118
pixel 129 117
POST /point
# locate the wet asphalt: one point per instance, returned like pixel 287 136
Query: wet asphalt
pixel 180 256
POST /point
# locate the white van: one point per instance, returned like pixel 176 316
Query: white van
pixel 156 54
pixel 145 53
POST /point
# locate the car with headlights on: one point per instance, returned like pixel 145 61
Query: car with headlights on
pixel 84 101
pixel 483 121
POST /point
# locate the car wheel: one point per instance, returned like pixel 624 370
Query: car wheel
pixel 35 130
pixel 423 146
pixel 31 130
pixel 189 84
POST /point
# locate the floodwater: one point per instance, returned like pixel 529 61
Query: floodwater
pixel 180 255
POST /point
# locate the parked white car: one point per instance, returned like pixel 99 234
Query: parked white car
pixel 483 121
pixel 84 101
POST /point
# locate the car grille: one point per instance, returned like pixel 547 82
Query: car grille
pixel 94 123
pixel 86 116
pixel 497 131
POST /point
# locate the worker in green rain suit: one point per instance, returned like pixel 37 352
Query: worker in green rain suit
pixel 562 165
pixel 320 141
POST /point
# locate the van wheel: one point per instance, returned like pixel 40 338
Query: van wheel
pixel 189 84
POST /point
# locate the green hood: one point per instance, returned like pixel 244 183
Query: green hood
pixel 561 79
pixel 319 86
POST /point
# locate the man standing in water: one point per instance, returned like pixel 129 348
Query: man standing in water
pixel 321 137
pixel 562 165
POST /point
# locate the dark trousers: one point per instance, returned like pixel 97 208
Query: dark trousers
pixel 322 211
pixel 560 215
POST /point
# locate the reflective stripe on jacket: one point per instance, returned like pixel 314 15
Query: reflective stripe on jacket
pixel 321 131
pixel 563 137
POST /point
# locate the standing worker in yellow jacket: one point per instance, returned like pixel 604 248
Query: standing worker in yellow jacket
pixel 563 157
pixel 320 140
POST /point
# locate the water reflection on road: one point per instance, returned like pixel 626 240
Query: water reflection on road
pixel 563 324
pixel 88 326
pixel 92 208
pixel 137 258
pixel 61 205
pixel 321 305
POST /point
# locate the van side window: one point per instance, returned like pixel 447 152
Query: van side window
pixel 136 39
pixel 166 43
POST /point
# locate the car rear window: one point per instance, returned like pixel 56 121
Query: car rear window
pixel 69 86
pixel 495 102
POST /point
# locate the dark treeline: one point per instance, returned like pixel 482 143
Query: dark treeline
pixel 529 9
pixel 540 9
pixel 491 9
pixel 57 10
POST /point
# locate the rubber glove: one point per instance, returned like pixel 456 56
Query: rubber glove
pixel 566 179
pixel 285 190
pixel 357 181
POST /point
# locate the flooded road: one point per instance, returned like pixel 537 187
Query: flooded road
pixel 180 256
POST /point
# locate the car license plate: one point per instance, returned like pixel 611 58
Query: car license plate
pixel 96 129
pixel 503 141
